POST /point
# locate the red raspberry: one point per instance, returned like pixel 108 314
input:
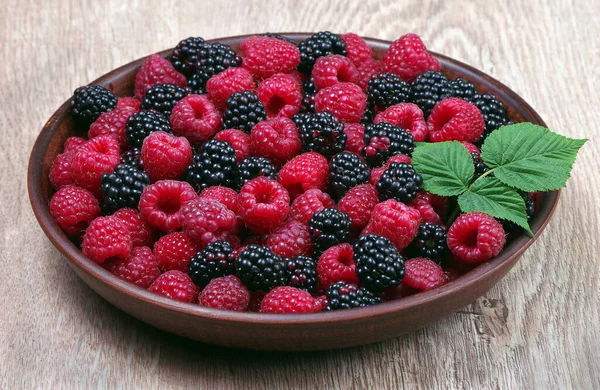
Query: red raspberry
pixel 228 293
pixel 263 204
pixel 156 70
pixel 175 285
pixel 454 119
pixel 256 298
pixel 303 172
pixel 161 202
pixel 139 268
pixel 106 237
pixel 195 118
pixel 72 144
pixel 290 240
pixel 336 264
pixel 141 233
pixel 299 77
pixel 74 208
pixel 222 85
pixel 165 156
pixel 96 157
pixel 285 299
pixel 61 173
pixel 423 274
pixel 355 133
pixel 321 302
pixel 432 207
pixel 396 221
pixel 400 291
pixel 129 102
pixel 470 147
pixel 408 57
pixel 406 115
pixel 174 251
pixel 366 70
pixel 332 69
pixel 476 237
pixel 239 141
pixel 112 123
pixel 281 95
pixel 313 200
pixel 206 220
pixel 277 139
pixel 358 203
pixel 357 49
pixel 224 195
pixel 266 56
pixel 344 100
pixel 377 172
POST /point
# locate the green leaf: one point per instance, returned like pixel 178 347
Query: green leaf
pixel 446 167
pixel 489 195
pixel 530 157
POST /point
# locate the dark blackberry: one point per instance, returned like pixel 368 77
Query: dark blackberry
pixel 185 56
pixel 378 263
pixel 259 268
pixel 342 295
pixel 510 226
pixel 480 167
pixel 253 167
pixel 399 181
pixel 301 272
pixel 308 96
pixel 318 45
pixel 213 58
pixel 214 165
pixel 89 102
pixel 215 260
pixel 347 170
pixel 387 89
pixel 321 132
pixel 384 140
pixel 132 157
pixel 429 242
pixel 329 227
pixel 428 89
pixel 463 89
pixel 493 111
pixel 163 97
pixel 244 110
pixel 142 124
pixel 123 187
pixel 280 37
pixel 369 114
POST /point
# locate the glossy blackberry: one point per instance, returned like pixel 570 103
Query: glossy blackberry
pixel 132 157
pixel 329 227
pixel 308 96
pixel 213 58
pixel 369 114
pixel 214 165
pixel 163 97
pixel 301 272
pixel 400 182
pixel 259 268
pixel 428 89
pixel 280 37
pixel 318 45
pixel 493 111
pixel 378 263
pixel 142 124
pixel 123 187
pixel 383 140
pixel 346 170
pixel 253 167
pixel 463 89
pixel 215 260
pixel 244 110
pixel 429 242
pixel 480 167
pixel 529 208
pixel 89 102
pixel 342 295
pixel 185 56
pixel 387 89
pixel 321 132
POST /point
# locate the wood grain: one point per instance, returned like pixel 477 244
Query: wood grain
pixel 537 329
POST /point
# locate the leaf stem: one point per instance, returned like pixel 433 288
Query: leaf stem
pixel 453 215
pixel 482 176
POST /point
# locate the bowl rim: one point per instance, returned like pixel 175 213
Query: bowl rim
pixel 76 258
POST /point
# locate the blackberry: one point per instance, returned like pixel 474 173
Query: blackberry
pixel 321 132
pixel 142 124
pixel 369 114
pixel 429 242
pixel 301 272
pixel 215 260
pixel 253 167
pixel 259 268
pixel 480 167
pixel 244 110
pixel 123 187
pixel 308 96
pixel 384 140
pixel 493 111
pixel 400 182
pixel 428 89
pixel 89 102
pixel 214 165
pixel 185 56
pixel 378 263
pixel 280 37
pixel 342 295
pixel 387 89
pixel 318 45
pixel 132 157
pixel 463 89
pixel 347 170
pixel 329 227
pixel 510 226
pixel 213 58
pixel 163 97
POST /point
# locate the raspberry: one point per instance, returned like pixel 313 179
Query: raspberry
pixel 139 268
pixel 408 57
pixel 454 119
pixel 407 116
pixel 329 227
pixel 308 96
pixel 277 139
pixel 299 77
pixel 161 202
pixel 354 133
pixel 378 263
pixel 344 295
pixel 367 70
pixel 112 123
pixel 263 204
pixel 253 167
pixel 215 260
pixel 213 58
pixel 174 251
pixel 301 272
pixel 337 264
pixel 175 285
pixel 344 100
pixel 319 45
pixel 346 170
pixel 266 56
pixel 214 165
pixel 227 293
pixel 387 89
pixel 358 51
pixel 96 157
pixel 492 110
pixel 129 102
pixel 383 140
pixel 358 203
pixel 395 221
pixel 142 124
pixel 224 195
pixel 163 97
pixel 165 156
pixel 244 110
pixel 104 238
pixel 430 242
pixel 423 274
pixel 290 240
pixel 259 268
pixel 73 208
pixel 140 232
pixel 429 89
pixel 475 237
pixel 303 172
pixel 156 70
pixel 72 144
pixel 122 188
pixel 311 201
pixel 61 173
pixel 89 102
pixel 333 69
pixel 206 220
pixel 287 299
pixel 195 118
pixel 377 172
pixel 186 56
pixel 321 132
pixel 399 181
pixel 277 36
pixel 432 207
pixel 239 141
pixel 281 95
pixel 222 85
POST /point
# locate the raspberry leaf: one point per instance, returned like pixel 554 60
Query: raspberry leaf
pixel 530 157
pixel 446 167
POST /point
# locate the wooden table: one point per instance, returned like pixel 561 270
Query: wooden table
pixel 539 328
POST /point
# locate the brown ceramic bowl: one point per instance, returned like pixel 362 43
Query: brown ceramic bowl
pixel 267 331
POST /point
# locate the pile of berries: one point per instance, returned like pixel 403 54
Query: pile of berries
pixel 275 178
